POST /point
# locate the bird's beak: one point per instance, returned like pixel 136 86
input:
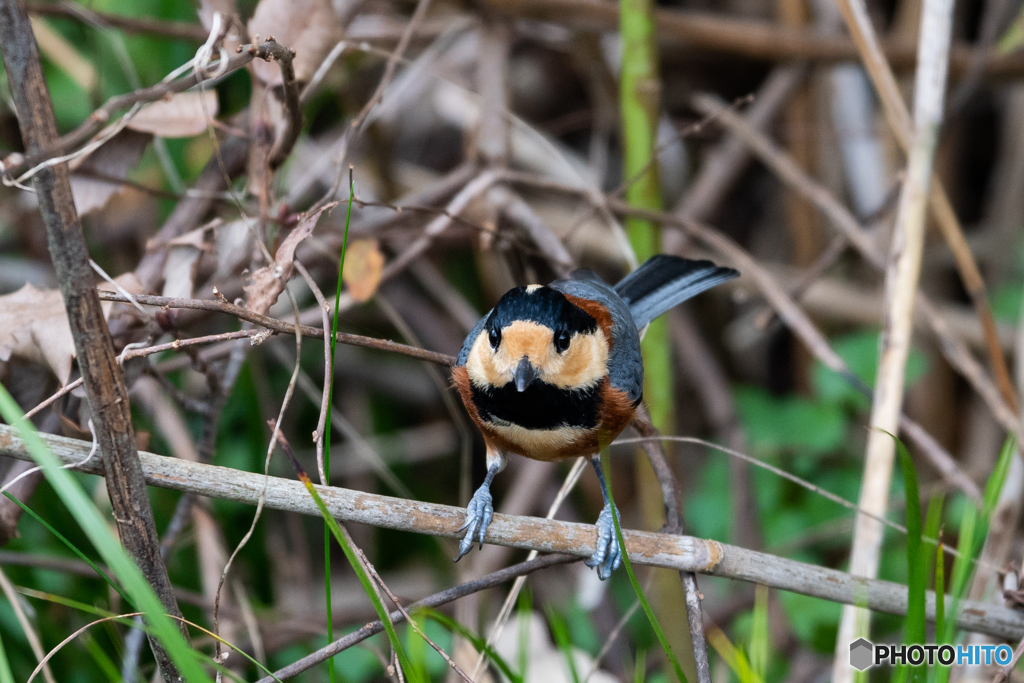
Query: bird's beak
pixel 524 374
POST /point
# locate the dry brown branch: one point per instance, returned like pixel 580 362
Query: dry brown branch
pixel 859 24
pixel 283 327
pixel 437 600
pixel 101 117
pixel 955 351
pixel 748 38
pixel 680 553
pixel 102 377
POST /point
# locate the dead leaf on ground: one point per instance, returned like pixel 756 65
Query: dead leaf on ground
pixel 268 282
pixel 181 115
pixel 99 176
pixel 34 326
pixel 363 266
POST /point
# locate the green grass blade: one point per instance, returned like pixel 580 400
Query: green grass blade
pixel 95 527
pixel 476 641
pixel 637 588
pixel 998 478
pixel 365 580
pixel 103 661
pixel 85 558
pixel 640 667
pixel 525 611
pixel 932 528
pixel 940 590
pixel 560 633
pixel 6 675
pixel 917 580
pixel 759 633
pixel 732 656
pixel 329 378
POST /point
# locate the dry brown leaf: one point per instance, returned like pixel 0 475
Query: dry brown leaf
pixel 181 115
pixel 310 27
pixel 98 177
pixel 268 282
pixel 34 326
pixel 363 266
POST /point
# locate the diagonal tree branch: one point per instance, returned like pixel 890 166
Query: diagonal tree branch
pixel 103 379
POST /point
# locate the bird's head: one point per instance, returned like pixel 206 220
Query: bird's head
pixel 535 334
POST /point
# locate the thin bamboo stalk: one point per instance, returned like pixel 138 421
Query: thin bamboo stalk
pixel 902 277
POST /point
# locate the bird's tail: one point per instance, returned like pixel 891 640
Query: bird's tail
pixel 666 281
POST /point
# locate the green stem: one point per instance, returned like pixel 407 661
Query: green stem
pixel 329 378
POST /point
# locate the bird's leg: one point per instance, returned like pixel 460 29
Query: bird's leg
pixel 480 510
pixel 607 557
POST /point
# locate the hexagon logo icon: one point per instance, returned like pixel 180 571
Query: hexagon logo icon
pixel 861 654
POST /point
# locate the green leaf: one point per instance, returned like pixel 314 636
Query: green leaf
pixel 860 351
pixel 93 524
pixel 560 633
pixel 778 422
pixel 476 641
pixel 85 558
pixel 759 634
pixel 382 613
pixel 917 576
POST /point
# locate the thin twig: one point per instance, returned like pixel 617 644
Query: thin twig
pixel 321 422
pixel 101 117
pixel 893 105
pixel 437 600
pixel 281 326
pixel 953 348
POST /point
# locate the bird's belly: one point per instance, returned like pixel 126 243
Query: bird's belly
pixel 540 444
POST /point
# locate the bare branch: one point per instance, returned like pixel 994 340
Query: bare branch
pixel 680 553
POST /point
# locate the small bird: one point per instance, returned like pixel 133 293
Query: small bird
pixel 555 372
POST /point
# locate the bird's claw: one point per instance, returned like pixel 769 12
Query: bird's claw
pixel 478 517
pixel 608 557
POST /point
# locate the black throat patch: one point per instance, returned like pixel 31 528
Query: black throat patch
pixel 541 406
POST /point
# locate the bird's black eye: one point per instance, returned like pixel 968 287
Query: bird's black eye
pixel 494 336
pixel 562 340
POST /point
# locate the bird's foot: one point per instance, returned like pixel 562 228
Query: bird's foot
pixel 608 557
pixel 478 517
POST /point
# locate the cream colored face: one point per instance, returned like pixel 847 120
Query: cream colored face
pixel 580 366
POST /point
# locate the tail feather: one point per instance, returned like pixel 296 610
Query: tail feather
pixel 666 281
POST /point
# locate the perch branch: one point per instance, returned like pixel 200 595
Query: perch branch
pixel 681 553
